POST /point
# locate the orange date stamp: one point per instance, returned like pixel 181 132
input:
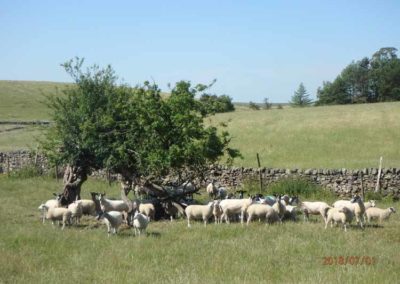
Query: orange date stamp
pixel 348 260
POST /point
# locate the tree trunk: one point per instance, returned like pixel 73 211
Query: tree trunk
pixel 74 177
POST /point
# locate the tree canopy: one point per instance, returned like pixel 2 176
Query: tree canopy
pixel 369 80
pixel 132 131
pixel 300 97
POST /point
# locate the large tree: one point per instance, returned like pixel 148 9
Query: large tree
pixel 131 131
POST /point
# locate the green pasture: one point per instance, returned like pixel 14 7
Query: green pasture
pixel 171 253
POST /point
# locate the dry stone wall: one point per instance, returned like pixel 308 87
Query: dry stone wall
pixel 341 181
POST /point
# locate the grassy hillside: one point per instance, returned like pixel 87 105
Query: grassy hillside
pixel 353 136
pixel 172 253
pixel 23 100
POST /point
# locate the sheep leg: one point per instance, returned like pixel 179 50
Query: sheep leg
pixel 345 227
pixel 188 219
pixel 205 222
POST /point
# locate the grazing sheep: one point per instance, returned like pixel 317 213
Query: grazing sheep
pixel 314 208
pixel 199 212
pixel 343 215
pixel 112 205
pixel 148 210
pixel 140 222
pixel 348 204
pixel 217 212
pixel 231 207
pixel 76 211
pixel 212 190
pixel 359 210
pixel 113 219
pixel 58 214
pixel 378 213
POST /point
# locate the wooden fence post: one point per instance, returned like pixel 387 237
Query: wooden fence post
pixel 259 173
pixel 377 187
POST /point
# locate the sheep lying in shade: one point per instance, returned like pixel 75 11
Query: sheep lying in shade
pixel 378 213
pixel 140 222
pixel 203 212
pixel 58 214
pixel 112 219
pixel 343 215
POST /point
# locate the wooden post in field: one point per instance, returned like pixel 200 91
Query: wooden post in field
pixel 259 172
pixel 8 165
pixel 377 187
pixel 362 186
pixel 56 169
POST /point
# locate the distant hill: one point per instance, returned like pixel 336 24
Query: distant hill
pixel 23 100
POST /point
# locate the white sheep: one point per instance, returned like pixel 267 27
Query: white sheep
pixel 51 203
pixel 88 207
pixel 140 222
pixel 113 219
pixel 314 208
pixel 348 204
pixel 211 190
pixel 217 212
pixel 359 210
pixel 199 212
pixel 112 205
pixel 279 207
pixel 76 211
pixel 232 207
pixel 148 210
pixel 259 211
pixel 58 214
pixel 343 215
pixel 378 213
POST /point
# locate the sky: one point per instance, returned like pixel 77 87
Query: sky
pixel 255 49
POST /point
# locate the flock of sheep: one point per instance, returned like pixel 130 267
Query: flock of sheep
pixel 269 209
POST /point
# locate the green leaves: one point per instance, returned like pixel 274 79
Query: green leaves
pixel 131 131
pixel 300 97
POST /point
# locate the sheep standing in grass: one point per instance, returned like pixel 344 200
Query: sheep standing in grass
pixel 51 203
pixel 58 214
pixel 112 219
pixel 148 210
pixel 259 211
pixel 88 207
pixel 140 222
pixel 314 208
pixel 343 215
pixel 211 190
pixel 359 210
pixel 199 212
pixel 76 211
pixel 232 207
pixel 378 213
pixel 217 212
pixel 279 208
pixel 112 205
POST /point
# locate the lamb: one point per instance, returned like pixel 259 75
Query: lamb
pixel 58 214
pixel 211 190
pixel 113 219
pixel 140 222
pixel 217 212
pixel 148 210
pixel 378 213
pixel 359 209
pixel 51 203
pixel 112 205
pixel 343 215
pixel 314 208
pixel 76 211
pixel 234 206
pixel 199 212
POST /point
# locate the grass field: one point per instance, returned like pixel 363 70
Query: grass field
pixel 171 253
pixel 351 136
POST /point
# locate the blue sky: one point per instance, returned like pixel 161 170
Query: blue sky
pixel 255 49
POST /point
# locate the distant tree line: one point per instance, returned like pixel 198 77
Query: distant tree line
pixel 369 80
